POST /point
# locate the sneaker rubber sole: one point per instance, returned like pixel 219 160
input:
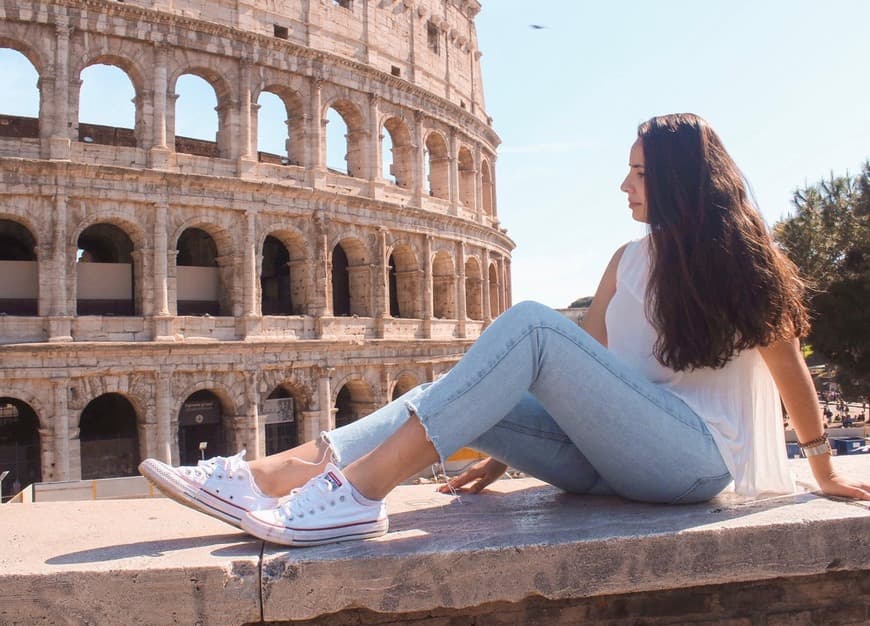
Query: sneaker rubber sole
pixel 298 537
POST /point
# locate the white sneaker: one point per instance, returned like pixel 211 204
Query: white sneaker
pixel 221 487
pixel 326 509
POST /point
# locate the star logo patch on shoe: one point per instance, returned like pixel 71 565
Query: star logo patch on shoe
pixel 333 479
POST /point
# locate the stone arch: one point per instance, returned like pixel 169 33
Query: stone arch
pixel 488 188
pixel 467 177
pixel 108 267
pixel 405 381
pixel 109 133
pixel 33 400
pixel 16 124
pixel 204 269
pixel 353 118
pixel 351 278
pixel 354 399
pixel 20 444
pixel 404 282
pixel 401 163
pixel 19 269
pixel 293 152
pixel 109 437
pixel 213 427
pixel 443 286
pixel 438 165
pixel 284 271
pixel 473 289
pixel 222 145
pixel 38 60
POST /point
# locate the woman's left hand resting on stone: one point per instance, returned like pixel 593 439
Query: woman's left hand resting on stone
pixel 482 473
pixel 792 377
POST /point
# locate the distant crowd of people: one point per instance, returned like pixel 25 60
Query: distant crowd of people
pixel 837 411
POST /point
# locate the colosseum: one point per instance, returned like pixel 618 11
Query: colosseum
pixel 168 296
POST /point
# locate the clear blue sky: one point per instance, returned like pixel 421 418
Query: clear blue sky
pixel 785 83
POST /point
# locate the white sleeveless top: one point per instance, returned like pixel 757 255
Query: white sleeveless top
pixel 739 402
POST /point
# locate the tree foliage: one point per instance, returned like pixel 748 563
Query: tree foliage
pixel 828 238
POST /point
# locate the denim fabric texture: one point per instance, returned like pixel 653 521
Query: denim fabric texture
pixel 540 394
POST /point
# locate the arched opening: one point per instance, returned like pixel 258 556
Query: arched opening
pixel 197 123
pixel 19 270
pixel 345 134
pixel 20 100
pixel 198 281
pixel 467 176
pixel 354 400
pixel 279 416
pixel 107 106
pixel 398 154
pixel 404 283
pixel 104 272
pixel 280 128
pixel 109 438
pixel 350 279
pixel 403 385
pixel 473 289
pixel 340 282
pixel 200 428
pixel 438 165
pixel 277 298
pixel 493 291
pixel 19 446
pixel 443 286
pixel 486 181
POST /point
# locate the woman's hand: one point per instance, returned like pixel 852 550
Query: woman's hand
pixel 834 484
pixel 481 473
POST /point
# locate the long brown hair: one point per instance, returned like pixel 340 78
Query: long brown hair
pixel 717 284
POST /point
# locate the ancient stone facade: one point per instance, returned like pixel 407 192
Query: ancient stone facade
pixel 160 292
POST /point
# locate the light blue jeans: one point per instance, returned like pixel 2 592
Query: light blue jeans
pixel 538 393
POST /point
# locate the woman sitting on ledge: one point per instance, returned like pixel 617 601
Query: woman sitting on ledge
pixel 689 343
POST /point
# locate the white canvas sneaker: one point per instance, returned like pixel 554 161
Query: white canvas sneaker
pixel 326 509
pixel 221 486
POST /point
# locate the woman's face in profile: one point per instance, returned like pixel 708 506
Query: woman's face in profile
pixel 634 185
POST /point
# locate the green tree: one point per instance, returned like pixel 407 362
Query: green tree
pixel 828 238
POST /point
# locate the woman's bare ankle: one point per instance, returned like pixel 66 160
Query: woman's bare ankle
pixel 278 478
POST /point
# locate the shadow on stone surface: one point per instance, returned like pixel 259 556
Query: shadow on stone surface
pixel 156 549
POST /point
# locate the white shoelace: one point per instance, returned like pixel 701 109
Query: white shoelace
pixel 310 498
pixel 227 466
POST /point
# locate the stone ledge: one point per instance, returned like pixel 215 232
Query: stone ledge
pixel 154 562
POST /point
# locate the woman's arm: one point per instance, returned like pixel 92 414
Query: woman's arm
pixel 593 320
pixel 792 377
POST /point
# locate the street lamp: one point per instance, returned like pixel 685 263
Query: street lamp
pixel 2 478
pixel 202 446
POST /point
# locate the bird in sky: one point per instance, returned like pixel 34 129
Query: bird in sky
pixel 537 26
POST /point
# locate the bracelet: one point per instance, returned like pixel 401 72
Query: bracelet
pixel 817 446
pixel 815 442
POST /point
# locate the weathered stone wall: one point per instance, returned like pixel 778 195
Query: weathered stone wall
pixel 58 179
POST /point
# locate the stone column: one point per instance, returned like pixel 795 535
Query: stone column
pixel 427 287
pixel 461 305
pixel 375 166
pixel 163 409
pixel 324 400
pixel 247 161
pixel 382 281
pixel 509 296
pixel 419 160
pixel 255 431
pixel 316 131
pixel 453 171
pixel 478 183
pixel 158 155
pixel 47 459
pixel 59 322
pixel 61 425
pixel 320 302
pixel 59 143
pixel 162 319
pixel 502 287
pixel 250 306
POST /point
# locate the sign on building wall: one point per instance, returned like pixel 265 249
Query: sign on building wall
pixel 278 411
